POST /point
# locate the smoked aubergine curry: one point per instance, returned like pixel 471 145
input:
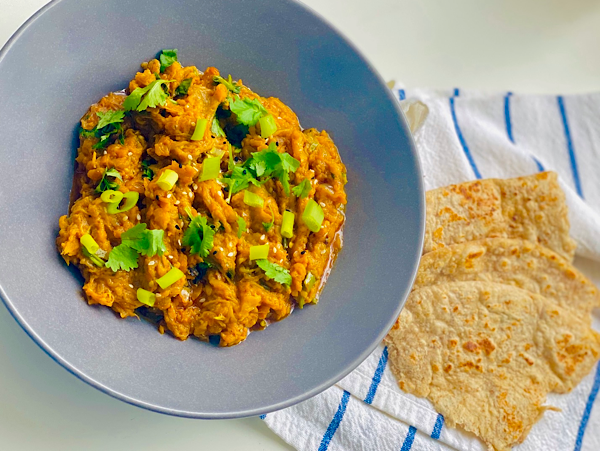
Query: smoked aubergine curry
pixel 203 203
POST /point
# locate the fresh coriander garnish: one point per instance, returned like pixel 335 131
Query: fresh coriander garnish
pixel 167 57
pixel 199 235
pixel 137 240
pixel 183 87
pixel 105 183
pixel 275 272
pixel 229 84
pixel 248 111
pixel 149 97
pixel 109 117
pixel 216 129
pixel 303 189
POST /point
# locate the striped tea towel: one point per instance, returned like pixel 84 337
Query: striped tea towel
pixel 466 136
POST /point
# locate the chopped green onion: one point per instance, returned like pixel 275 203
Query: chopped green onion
pixel 199 130
pixel 309 281
pixel 111 196
pixel 241 226
pixel 287 224
pixel 313 216
pixel 259 252
pixel 94 258
pixel 146 297
pixel 267 126
pixel 211 168
pixel 89 243
pixel 170 278
pixel 167 179
pixel 252 199
pixel 131 198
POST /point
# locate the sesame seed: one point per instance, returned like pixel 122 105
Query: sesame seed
pixel 322 204
pixel 158 295
pixel 191 194
pixel 179 242
pixel 230 254
pixel 190 157
pixel 323 251
pixel 168 195
pixel 170 257
pixel 262 237
pixel 215 253
pixel 130 286
pixel 195 186
pixel 184 193
pixel 151 263
pixel 221 193
pixel 130 153
pixel 177 227
pixel 139 217
pixel 176 202
pixel 221 249
pixel 105 152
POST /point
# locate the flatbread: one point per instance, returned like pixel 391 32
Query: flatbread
pixel 486 355
pixel 531 208
pixel 514 262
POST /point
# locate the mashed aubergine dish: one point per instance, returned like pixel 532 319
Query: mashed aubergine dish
pixel 201 205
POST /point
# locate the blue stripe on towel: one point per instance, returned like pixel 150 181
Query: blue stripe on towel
pixel 565 121
pixel 437 428
pixel 337 419
pixel 401 94
pixel 377 376
pixel 509 130
pixel 588 409
pixel 507 117
pixel 463 143
pixel 410 438
pixel 262 417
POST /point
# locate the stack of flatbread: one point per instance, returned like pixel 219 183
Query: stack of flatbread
pixel 498 316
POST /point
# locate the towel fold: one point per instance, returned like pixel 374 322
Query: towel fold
pixel 466 136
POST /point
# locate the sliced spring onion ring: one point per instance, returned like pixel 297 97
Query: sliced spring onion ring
pixel 267 126
pixel 131 198
pixel 287 224
pixel 211 168
pixel 111 196
pixel 313 216
pixel 146 297
pixel 252 199
pixel 170 278
pixel 167 179
pixel 309 281
pixel 259 252
pixel 89 243
pixel 198 134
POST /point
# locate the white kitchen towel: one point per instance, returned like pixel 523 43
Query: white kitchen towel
pixel 469 135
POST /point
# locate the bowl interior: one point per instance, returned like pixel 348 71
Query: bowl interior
pixel 76 51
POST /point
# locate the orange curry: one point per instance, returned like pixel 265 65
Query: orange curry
pixel 202 204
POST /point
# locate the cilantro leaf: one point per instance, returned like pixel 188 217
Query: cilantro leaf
pixel 216 129
pixel 268 225
pixel 248 111
pixel 148 97
pixel 146 242
pixel 146 171
pixel 167 57
pixel 109 117
pixel 303 189
pixel 87 133
pixel 106 184
pixel 241 226
pixel 199 236
pixel 233 87
pixel 183 87
pixel 275 272
pixel 122 257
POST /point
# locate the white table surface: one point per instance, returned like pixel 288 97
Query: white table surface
pixel 524 46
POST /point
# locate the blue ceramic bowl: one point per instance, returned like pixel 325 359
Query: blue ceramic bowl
pixel 70 54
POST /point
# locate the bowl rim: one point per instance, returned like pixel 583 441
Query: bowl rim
pixel 54 355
